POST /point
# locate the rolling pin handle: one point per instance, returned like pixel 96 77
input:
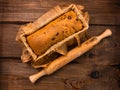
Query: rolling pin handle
pixel 35 77
pixel 106 33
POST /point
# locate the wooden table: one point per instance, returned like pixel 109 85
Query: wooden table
pixel 98 69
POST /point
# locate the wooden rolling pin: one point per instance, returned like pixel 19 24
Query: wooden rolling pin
pixel 71 55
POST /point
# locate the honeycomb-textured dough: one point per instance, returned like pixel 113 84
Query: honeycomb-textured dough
pixel 57 30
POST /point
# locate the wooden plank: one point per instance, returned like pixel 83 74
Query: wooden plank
pixel 101 54
pixel 8 45
pixel 12 6
pixel 101 12
pixel 74 76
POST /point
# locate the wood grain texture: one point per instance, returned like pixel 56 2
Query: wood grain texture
pixel 101 12
pixel 67 78
pixel 98 69
pixel 9 46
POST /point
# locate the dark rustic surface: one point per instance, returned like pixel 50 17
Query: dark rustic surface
pixel 98 69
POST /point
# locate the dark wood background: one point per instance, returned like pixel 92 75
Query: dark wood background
pixel 98 69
